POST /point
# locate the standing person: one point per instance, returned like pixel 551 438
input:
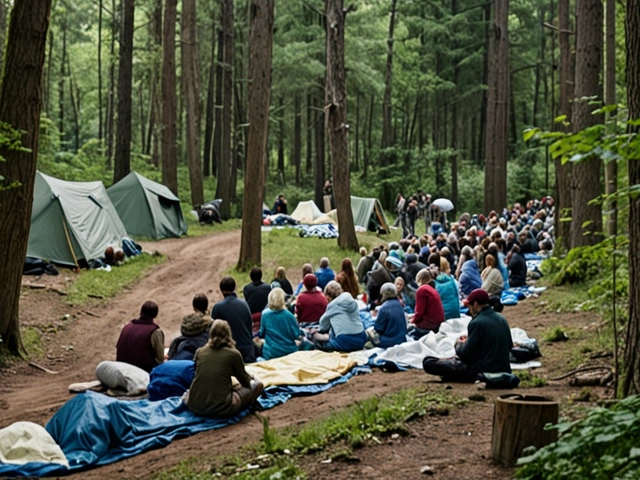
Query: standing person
pixel 256 294
pixel 141 341
pixel 280 280
pixel 237 313
pixel 280 206
pixel 212 393
pixel 194 331
pixel 429 310
pixel 278 328
pixel 391 324
pixel 327 196
pixel 348 279
pixel 412 215
pixel 324 274
pixel 340 326
pixel 311 302
pixel 486 349
pixel 399 208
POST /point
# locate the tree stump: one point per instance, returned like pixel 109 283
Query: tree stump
pixel 518 422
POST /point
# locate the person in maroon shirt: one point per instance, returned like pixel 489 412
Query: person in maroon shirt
pixel 311 302
pixel 141 342
pixel 429 310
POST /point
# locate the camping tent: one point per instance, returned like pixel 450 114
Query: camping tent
pixel 368 213
pixel 72 221
pixel 147 208
pixel 306 212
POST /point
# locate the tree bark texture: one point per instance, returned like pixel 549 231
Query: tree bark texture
pixel 20 106
pixel 208 128
pixel 190 82
pixel 319 174
pixel 217 122
pixel 111 97
pixel 122 159
pixel 260 51
pixel 155 109
pixel 586 220
pixel 497 127
pixel 387 127
pixel 611 168
pixel 336 124
pixel 631 374
pixel 169 98
pixel 563 172
pixel 297 136
pixel 223 189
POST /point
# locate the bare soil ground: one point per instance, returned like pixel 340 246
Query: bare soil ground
pixel 456 446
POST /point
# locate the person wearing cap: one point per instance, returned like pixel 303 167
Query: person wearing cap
pixel 391 324
pixel 141 341
pixel 486 348
pixel 311 303
pixel 429 310
pixel 340 326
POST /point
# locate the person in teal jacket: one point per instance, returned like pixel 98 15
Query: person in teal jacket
pixel 278 327
pixel 448 291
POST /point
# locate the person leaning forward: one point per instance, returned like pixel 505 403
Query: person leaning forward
pixel 485 350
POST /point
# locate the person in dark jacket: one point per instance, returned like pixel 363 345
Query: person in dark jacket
pixel 391 324
pixel 517 268
pixel 256 294
pixel 236 312
pixel 141 341
pixel 486 349
pixel 194 331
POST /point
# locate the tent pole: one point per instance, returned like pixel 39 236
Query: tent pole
pixel 73 254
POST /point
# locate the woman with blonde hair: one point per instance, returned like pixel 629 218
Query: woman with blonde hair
pixel 280 280
pixel 212 393
pixel 348 279
pixel 279 328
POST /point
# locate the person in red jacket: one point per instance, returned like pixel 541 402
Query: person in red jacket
pixel 311 302
pixel 429 310
pixel 141 341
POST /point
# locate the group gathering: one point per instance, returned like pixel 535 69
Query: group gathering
pixel 398 292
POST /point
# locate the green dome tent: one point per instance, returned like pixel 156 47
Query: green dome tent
pixel 147 208
pixel 71 221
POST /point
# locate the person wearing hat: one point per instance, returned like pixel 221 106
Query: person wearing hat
pixel 429 310
pixel 486 348
pixel 391 324
pixel 311 303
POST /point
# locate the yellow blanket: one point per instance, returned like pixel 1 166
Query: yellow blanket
pixel 302 368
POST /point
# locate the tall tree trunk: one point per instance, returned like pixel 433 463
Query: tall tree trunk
pixel 111 99
pixel 310 130
pixel 208 128
pixel 488 37
pixel 223 189
pixel 192 98
pixel 297 136
pixel 20 106
pixel 497 134
pixel 631 373
pixel 611 170
pixel 319 174
pixel 387 129
pixel 61 82
pixel 586 220
pixel 169 98
pixel 280 165
pixel 74 97
pixel 217 124
pixel 152 146
pixel 336 122
pixel 122 160
pixel 100 107
pixel 260 48
pixel 356 142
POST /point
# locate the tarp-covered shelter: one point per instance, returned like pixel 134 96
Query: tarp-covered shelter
pixel 147 208
pixel 367 213
pixel 71 221
pixel 306 212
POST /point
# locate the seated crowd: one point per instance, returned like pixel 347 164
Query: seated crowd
pixel 409 289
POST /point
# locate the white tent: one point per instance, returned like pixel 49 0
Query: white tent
pixel 306 212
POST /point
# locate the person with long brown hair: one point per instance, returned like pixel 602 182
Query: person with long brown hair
pixel 348 279
pixel 212 393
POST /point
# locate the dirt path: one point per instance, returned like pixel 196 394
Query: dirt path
pixel 456 446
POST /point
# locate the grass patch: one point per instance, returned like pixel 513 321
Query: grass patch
pixel 555 334
pixel 197 229
pixel 102 284
pixel 529 380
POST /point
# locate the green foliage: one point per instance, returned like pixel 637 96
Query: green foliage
pixel 102 284
pixel 529 379
pixel 601 446
pixel 10 140
pixel 555 334
pixel 32 340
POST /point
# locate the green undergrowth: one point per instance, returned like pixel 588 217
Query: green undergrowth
pixel 366 422
pixel 529 379
pixel 601 446
pixel 197 229
pixel 102 284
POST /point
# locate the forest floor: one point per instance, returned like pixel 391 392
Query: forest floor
pixel 455 446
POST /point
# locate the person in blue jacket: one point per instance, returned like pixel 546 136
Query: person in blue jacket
pixel 469 277
pixel 324 274
pixel 391 324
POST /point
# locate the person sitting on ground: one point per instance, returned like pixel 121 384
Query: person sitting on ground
pixel 348 279
pixel 324 274
pixel 406 295
pixel 311 302
pixel 194 331
pixel 256 294
pixel 237 313
pixel 414 265
pixel 141 341
pixel 517 267
pixel 307 268
pixel 429 310
pixel 364 265
pixel 378 277
pixel 340 326
pixel 469 277
pixel 492 280
pixel 486 348
pixel 391 324
pixel 212 393
pixel 278 328
pixel 280 280
pixel 280 206
pixel 448 290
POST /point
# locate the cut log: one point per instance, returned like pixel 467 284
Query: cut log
pixel 518 422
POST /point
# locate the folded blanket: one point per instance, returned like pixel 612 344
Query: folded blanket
pixel 24 442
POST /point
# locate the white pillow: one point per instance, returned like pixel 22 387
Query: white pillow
pixel 123 376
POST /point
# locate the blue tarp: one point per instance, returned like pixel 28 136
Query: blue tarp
pixel 93 429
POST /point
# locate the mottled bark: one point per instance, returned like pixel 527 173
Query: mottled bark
pixel 169 98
